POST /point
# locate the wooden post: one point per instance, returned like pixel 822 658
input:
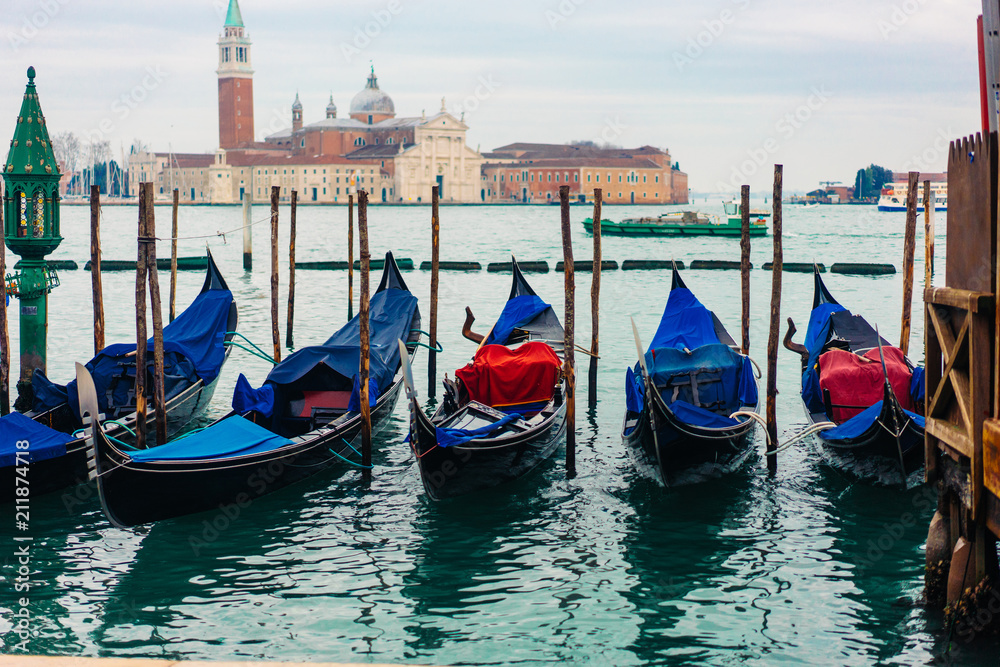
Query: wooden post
pixel 159 396
pixel 291 272
pixel 365 333
pixel 772 341
pixel 247 233
pixel 435 268
pixel 595 301
pixel 929 204
pixel 745 264
pixel 95 267
pixel 909 247
pixel 140 325
pixel 568 356
pixel 350 257
pixel 173 258
pixel 4 335
pixel 275 336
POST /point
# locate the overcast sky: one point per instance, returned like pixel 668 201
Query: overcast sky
pixel 725 85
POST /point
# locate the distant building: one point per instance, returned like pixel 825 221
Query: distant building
pixel 533 173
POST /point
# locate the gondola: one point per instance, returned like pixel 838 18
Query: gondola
pixel 300 422
pixel 196 345
pixel 504 414
pixel 681 394
pixel 854 378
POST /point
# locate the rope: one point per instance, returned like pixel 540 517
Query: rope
pixel 809 430
pixel 347 460
pixel 259 352
pixel 209 236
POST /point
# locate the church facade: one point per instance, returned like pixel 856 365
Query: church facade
pixel 396 159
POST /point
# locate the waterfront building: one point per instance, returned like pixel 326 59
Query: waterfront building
pixel 533 173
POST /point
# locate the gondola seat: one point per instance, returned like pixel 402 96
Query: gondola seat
pixel 314 401
pixel 855 382
pixel 518 378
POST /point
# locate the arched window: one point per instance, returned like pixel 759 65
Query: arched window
pixel 22 212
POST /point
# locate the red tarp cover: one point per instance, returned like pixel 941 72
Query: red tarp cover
pixel 501 377
pixel 852 380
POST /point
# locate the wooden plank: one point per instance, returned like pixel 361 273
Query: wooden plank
pixel 991 455
pixel 569 321
pixel 95 271
pixel 909 248
pixel 951 436
pixel 981 402
pixel 971 250
pixel 959 298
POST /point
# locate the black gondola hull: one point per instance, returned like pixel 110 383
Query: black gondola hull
pixel 136 493
pixel 681 448
pixel 450 472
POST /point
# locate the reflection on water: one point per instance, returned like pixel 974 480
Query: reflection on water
pixel 607 568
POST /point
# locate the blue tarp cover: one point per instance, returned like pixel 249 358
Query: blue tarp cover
pixel 917 385
pixel 43 442
pixel 193 349
pixel 861 422
pixel 390 316
pixel 692 414
pixel 231 437
pixel 816 335
pixel 449 437
pixel 635 392
pixel 516 313
pixel 246 398
pixel 686 323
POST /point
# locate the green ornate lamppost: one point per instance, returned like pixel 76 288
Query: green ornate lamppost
pixel 31 230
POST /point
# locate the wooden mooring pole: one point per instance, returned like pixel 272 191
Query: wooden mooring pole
pixel 247 233
pixel 173 257
pixel 159 395
pixel 772 341
pixel 909 248
pixel 929 204
pixel 291 273
pixel 365 333
pixel 275 335
pixel 569 368
pixel 95 267
pixel 435 269
pixel 140 325
pixel 4 334
pixel 745 264
pixel 350 257
pixel 595 302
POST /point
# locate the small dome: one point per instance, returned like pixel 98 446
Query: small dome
pixel 331 109
pixel 297 106
pixel 371 100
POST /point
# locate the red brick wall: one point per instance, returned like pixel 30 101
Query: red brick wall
pixel 235 112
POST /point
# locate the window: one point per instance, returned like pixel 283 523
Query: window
pixel 390 141
pixel 657 179
pixel 557 178
pixel 588 178
pixel 619 178
pixel 576 177
pixel 550 178
pixel 644 180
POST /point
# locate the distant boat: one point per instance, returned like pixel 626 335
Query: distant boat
pixel 894 195
pixel 686 223
pixel 814 205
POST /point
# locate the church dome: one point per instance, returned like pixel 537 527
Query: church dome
pixel 371 100
pixel 331 109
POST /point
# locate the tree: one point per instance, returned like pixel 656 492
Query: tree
pixel 869 181
pixel 67 149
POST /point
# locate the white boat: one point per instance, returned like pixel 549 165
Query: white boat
pixel 893 197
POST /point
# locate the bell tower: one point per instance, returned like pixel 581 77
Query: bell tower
pixel 235 82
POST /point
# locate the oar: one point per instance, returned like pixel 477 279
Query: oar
pixel 891 395
pixel 649 395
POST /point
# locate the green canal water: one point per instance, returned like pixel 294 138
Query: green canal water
pixel 608 568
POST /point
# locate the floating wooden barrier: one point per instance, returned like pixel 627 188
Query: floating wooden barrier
pixel 795 267
pixel 650 264
pixel 453 266
pixel 503 267
pixel 376 264
pixel 162 264
pixel 864 269
pixel 404 264
pixel 716 265
pixel 63 265
pixel 588 265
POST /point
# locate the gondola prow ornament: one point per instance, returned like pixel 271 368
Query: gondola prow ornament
pixel 31 230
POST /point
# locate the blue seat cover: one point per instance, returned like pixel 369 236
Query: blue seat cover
pixel 231 437
pixel 861 422
pixel 43 442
